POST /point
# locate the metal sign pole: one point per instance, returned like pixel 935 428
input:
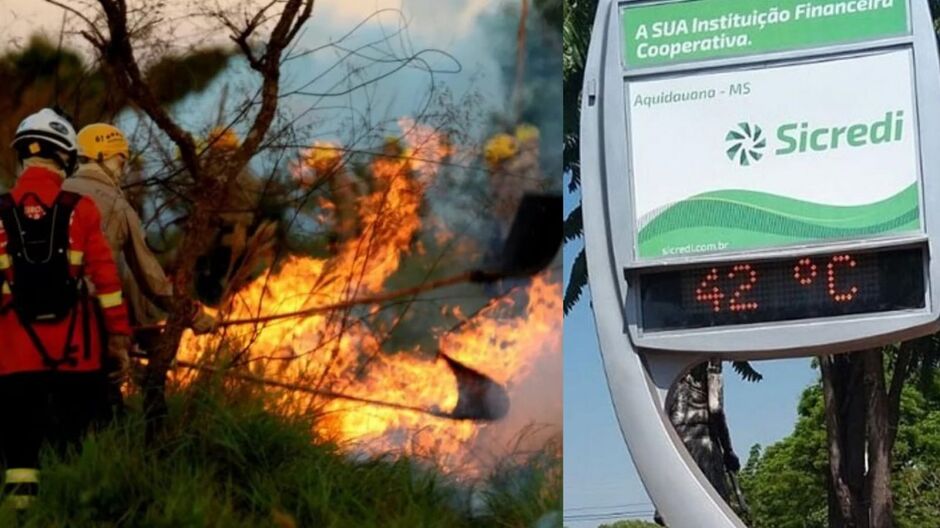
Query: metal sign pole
pixel 676 485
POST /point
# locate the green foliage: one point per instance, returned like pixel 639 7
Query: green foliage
pixel 227 461
pixel 173 77
pixel 576 34
pixel 746 371
pixel 630 524
pixel 520 494
pixel 43 74
pixel 786 484
pixel 577 281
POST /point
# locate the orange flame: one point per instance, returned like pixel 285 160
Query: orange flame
pixel 342 350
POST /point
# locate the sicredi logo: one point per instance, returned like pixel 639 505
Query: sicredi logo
pixel 746 143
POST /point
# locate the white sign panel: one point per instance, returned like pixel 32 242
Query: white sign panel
pixel 782 156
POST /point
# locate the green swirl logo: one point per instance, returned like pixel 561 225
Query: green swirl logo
pixel 746 144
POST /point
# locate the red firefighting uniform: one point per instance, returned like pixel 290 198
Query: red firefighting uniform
pixel 90 255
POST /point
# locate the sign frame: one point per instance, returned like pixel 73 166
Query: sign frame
pixel 758 341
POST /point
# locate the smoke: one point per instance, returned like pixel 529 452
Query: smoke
pixel 539 101
pixel 536 401
pixel 535 412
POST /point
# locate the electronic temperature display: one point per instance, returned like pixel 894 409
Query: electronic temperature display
pixel 784 289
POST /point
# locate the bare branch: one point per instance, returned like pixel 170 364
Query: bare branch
pixel 118 54
pixel 97 37
pixel 271 71
pixel 304 16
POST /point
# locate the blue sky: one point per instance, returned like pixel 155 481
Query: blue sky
pixel 599 476
pixel 453 26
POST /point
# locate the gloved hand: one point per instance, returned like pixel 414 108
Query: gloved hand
pixel 203 323
pixel 119 352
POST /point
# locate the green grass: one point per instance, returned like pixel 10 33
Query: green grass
pixel 227 461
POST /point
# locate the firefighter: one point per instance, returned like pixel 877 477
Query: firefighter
pixel 54 264
pixel 233 223
pixel 103 152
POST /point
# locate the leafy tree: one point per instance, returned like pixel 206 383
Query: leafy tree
pixel 576 32
pixel 44 74
pixel 787 483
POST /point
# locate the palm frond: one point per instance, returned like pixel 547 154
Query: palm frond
pixel 746 371
pixel 574 225
pixel 577 280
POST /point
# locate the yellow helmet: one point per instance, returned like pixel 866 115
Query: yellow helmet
pixel 500 148
pixel 526 132
pixel 101 141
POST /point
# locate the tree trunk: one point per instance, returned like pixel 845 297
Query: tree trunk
pixel 861 419
pixel 879 441
pixel 198 233
pixel 854 418
pixel 843 501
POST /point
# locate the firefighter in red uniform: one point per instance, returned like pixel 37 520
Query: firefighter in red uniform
pixel 55 264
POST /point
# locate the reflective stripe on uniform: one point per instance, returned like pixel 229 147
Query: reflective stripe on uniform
pixel 76 257
pixel 6 289
pixel 110 300
pixel 22 475
pixel 5 261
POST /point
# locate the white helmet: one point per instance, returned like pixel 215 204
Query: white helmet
pixel 44 133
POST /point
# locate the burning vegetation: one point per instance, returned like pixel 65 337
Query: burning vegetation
pixel 357 311
pixel 441 404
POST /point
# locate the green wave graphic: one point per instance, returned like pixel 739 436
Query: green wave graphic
pixel 746 219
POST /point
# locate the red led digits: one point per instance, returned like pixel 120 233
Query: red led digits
pixel 804 271
pixel 710 294
pixel 834 263
pixel 749 279
pixel 733 288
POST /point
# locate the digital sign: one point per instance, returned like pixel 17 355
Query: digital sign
pixel 759 181
pixel 784 289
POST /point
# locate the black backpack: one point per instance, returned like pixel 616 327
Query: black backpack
pixel 43 289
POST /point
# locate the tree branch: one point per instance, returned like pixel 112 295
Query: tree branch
pixel 901 367
pixel 118 53
pixel 270 69
pixel 461 278
pixel 97 34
